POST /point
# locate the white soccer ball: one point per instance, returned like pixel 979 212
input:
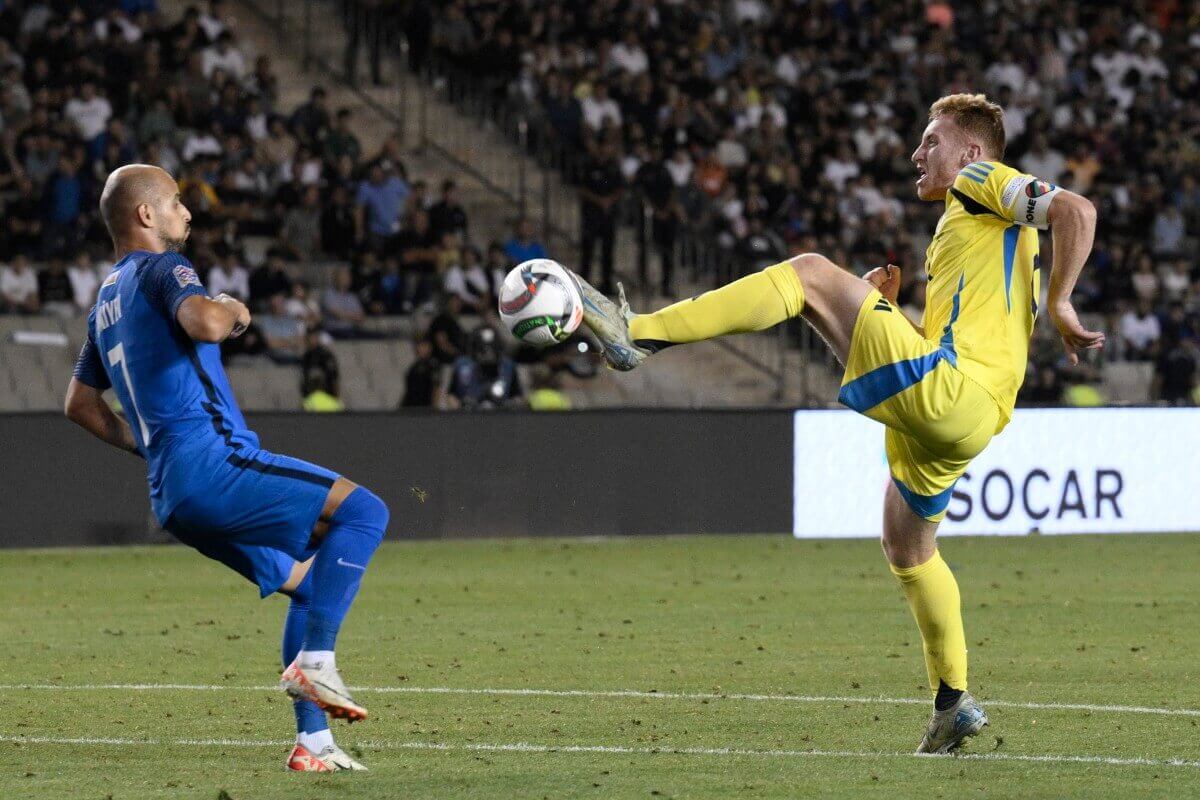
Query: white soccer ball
pixel 540 302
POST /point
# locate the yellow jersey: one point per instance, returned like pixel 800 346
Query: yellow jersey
pixel 983 267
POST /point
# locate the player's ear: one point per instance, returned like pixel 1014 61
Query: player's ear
pixel 973 153
pixel 145 215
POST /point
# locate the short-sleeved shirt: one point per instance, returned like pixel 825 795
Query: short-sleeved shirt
pixel 174 390
pixel 983 267
pixel 383 202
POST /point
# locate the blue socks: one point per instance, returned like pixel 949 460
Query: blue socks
pixel 309 717
pixel 355 531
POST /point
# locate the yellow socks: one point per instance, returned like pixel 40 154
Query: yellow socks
pixel 754 303
pixel 932 595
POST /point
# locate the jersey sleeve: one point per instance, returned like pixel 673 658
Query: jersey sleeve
pixel 89 367
pixel 167 281
pixel 989 187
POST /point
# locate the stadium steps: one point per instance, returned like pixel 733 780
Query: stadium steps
pixel 490 154
pixel 490 216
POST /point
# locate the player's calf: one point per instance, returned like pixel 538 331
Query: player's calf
pixel 356 529
pixel 753 303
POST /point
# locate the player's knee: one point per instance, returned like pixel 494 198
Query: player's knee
pixel 811 266
pixel 814 271
pixel 365 511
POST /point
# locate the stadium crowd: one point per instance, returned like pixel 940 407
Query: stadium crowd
pixel 788 126
pixel 88 86
pixel 782 127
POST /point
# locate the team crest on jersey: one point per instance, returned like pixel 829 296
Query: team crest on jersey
pixel 1038 188
pixel 186 276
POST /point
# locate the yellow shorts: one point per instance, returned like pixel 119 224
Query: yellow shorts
pixel 937 418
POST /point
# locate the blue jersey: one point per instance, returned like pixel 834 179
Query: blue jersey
pixel 173 390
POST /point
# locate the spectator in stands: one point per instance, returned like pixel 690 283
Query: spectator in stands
pixel 498 265
pixel 22 221
pixel 447 215
pixel 310 122
pixel 302 306
pixel 228 276
pixel 423 381
pixel 19 286
pixel 319 363
pixel 1175 372
pixel 1140 330
pixel 342 308
pixel 469 280
pixel 601 190
pixel 523 246
pixel 380 201
pixel 1177 324
pixel 655 183
pixel 445 332
pixel 1043 160
pixel 215 19
pixel 600 110
pixel 223 55
pixel 418 248
pixel 418 198
pixel 338 224
pixel 64 204
pixel 1145 279
pixel 300 235
pixel 341 141
pixel 270 280
pixel 55 295
pixel 486 377
pixel 1169 231
pixel 89 113
pixel 85 282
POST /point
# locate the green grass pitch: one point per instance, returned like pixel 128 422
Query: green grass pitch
pixel 704 634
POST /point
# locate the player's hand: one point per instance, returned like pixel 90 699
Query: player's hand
pixel 1075 337
pixel 239 308
pixel 886 280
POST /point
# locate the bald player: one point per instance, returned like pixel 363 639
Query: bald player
pixel 287 526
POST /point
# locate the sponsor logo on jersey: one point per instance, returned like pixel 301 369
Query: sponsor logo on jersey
pixel 1014 187
pixel 185 276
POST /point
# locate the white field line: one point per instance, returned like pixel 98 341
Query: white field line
pixel 602 693
pixel 526 747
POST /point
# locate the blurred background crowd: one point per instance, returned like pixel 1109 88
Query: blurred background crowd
pixel 758 128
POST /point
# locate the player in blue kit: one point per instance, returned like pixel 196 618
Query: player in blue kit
pixel 286 525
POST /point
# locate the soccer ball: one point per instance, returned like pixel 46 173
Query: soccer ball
pixel 540 302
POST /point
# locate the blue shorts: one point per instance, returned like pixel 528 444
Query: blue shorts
pixel 255 514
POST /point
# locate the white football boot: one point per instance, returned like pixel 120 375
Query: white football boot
pixel 610 324
pixel 948 729
pixel 331 759
pixel 322 684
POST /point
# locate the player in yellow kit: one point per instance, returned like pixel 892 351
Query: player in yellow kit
pixel 943 389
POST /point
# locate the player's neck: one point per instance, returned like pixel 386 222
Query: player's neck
pixel 137 244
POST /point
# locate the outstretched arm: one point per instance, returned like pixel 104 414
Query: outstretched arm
pixel 85 407
pixel 1072 221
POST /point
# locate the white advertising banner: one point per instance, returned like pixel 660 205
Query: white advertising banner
pixel 1108 470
